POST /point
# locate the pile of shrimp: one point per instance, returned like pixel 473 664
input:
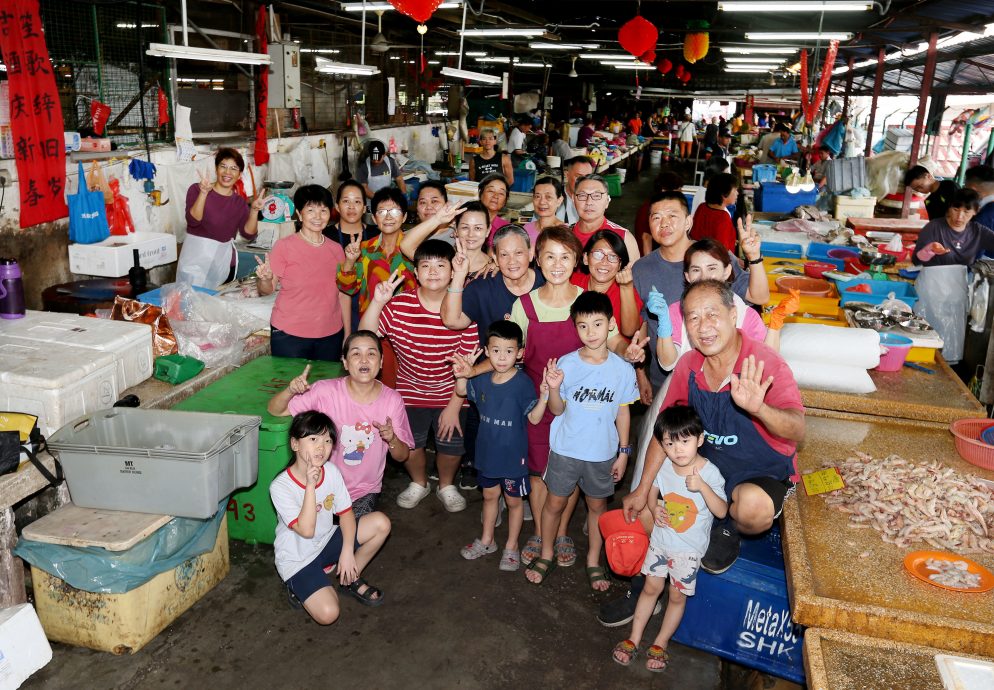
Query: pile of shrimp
pixel 909 502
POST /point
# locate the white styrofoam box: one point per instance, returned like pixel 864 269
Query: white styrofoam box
pixel 129 343
pixel 462 190
pixel 55 382
pixel 23 646
pixel 898 139
pixel 112 258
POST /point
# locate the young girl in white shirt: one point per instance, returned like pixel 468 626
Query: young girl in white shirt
pixel 308 496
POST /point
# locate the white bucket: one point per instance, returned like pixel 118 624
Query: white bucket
pixel 655 157
pixel 621 174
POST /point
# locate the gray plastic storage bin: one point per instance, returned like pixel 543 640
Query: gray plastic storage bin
pixel 845 174
pixel 158 461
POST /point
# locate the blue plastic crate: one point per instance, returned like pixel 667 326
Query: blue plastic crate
pixel 782 250
pixel 773 197
pixel 818 251
pixel 764 173
pixel 524 180
pixel 743 615
pixel 879 289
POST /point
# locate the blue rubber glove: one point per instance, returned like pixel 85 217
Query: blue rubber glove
pixel 656 305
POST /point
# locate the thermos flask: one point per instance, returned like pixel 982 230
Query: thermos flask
pixel 11 290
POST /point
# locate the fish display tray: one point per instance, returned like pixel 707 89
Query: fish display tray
pixel 832 587
pixel 907 394
pixel 836 660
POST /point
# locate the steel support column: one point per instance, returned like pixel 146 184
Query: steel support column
pixel 919 132
pixel 878 83
pixel 849 76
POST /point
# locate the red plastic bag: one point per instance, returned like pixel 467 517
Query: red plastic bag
pixel 118 212
pixel 99 112
pixel 862 288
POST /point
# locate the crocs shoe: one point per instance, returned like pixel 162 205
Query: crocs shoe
pixel 510 560
pixel 451 499
pixel 412 495
pixel 477 549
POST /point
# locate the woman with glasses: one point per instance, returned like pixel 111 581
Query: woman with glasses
pixel 605 269
pixel 308 316
pixel 215 214
pixel 490 161
pixel 493 195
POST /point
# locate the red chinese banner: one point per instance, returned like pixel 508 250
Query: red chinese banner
pixel 35 114
pixel 750 106
pixel 261 153
pixel 810 106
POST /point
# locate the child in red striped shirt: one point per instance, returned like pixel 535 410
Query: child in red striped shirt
pixel 411 321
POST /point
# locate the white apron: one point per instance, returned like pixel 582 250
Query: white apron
pixel 205 262
pixel 377 182
pixel 944 301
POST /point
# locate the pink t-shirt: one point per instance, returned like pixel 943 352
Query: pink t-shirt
pixel 360 454
pixel 746 320
pixel 495 226
pixel 307 304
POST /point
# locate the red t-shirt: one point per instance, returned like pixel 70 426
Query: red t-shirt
pixel 606 225
pixel 716 224
pixel 423 345
pixel 613 293
pixel 783 394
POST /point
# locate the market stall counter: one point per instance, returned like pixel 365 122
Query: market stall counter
pixel 849 579
pixel 911 394
pixel 836 660
pixel 908 228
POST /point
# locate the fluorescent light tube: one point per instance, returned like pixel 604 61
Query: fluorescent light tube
pixel 474 53
pixel 758 51
pixel 326 66
pixel 538 45
pixel 529 64
pixel 237 57
pixel 607 56
pixel 798 36
pixel 754 61
pixel 493 59
pixel 523 33
pixel 748 69
pixel 472 76
pixel 638 65
pixel 386 6
pixel 750 6
pixel 324 51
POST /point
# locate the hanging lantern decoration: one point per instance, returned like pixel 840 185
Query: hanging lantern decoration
pixel 685 77
pixel 638 36
pixel 664 66
pixel 648 57
pixel 696 44
pixel 679 71
pixel 418 10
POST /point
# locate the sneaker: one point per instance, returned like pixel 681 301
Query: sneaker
pixel 412 495
pixel 501 506
pixel 621 611
pixel 528 512
pixel 477 549
pixel 451 499
pixel 723 550
pixel 467 479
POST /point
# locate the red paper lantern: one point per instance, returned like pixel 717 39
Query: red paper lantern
pixel 664 66
pixel 685 77
pixel 679 71
pixel 695 47
pixel 637 36
pixel 648 57
pixel 418 10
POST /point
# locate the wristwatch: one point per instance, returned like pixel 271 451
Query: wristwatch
pixel 753 262
pixel 627 450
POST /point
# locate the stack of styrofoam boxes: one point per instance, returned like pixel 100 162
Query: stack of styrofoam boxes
pixel 62 366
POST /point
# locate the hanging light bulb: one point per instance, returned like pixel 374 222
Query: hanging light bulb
pixel 572 69
pixel 793 182
pixel 808 183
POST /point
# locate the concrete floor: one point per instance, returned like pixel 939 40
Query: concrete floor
pixel 445 622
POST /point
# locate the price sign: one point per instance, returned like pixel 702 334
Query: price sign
pixel 823 481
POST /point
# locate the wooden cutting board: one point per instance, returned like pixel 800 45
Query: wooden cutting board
pixel 114 530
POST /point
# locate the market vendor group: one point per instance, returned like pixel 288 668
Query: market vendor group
pixel 517 352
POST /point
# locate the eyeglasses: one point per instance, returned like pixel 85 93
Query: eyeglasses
pixel 229 168
pixel 593 196
pixel 599 255
pixel 389 213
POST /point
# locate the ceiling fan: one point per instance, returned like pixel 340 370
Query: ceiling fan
pixel 380 44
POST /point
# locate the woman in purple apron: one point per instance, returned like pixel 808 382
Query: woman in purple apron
pixel 543 315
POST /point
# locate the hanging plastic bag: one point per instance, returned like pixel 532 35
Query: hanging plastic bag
pixel 944 302
pixel 979 296
pixel 87 214
pixel 99 112
pixel 96 181
pixel 118 214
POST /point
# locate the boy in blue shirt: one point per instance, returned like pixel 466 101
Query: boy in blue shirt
pixel 504 397
pixel 589 392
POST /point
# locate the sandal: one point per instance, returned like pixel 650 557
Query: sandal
pixel 542 566
pixel 656 659
pixel 596 574
pixel 627 651
pixel 368 597
pixel 532 550
pixel 565 551
pixel 510 560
